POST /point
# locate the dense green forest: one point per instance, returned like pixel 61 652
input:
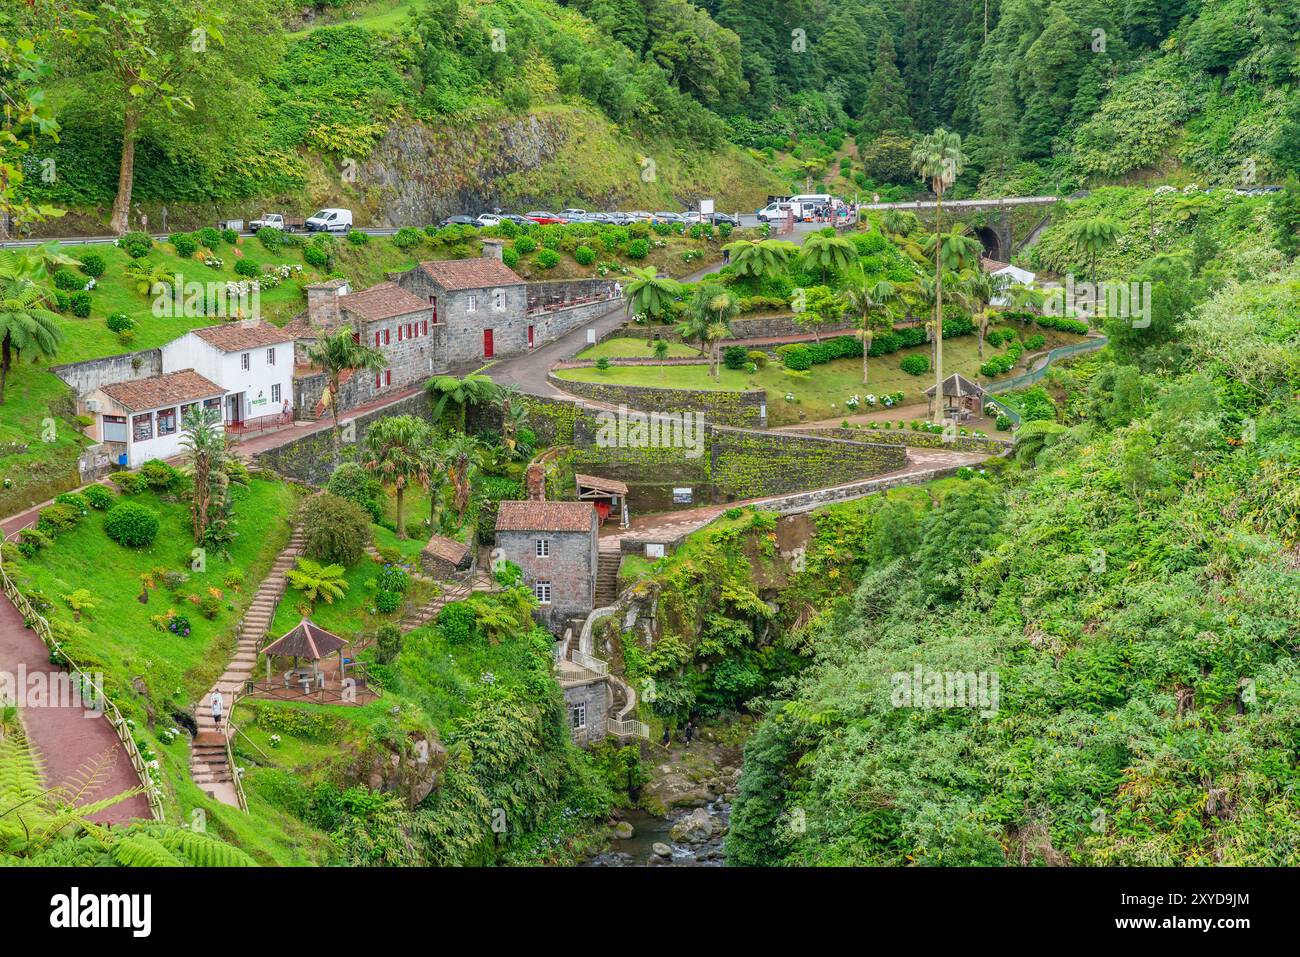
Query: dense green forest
pixel 1048 95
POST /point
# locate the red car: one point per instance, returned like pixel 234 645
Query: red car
pixel 545 219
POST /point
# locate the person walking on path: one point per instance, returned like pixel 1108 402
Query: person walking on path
pixel 217 705
pixel 690 731
pixel 667 738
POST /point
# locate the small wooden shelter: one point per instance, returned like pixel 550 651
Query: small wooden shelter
pixel 308 641
pixel 961 397
pixel 608 495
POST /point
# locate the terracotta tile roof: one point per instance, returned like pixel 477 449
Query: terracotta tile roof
pixel 613 486
pixel 305 640
pixel 382 302
pixel 300 328
pixel 155 392
pixel 447 549
pixel 238 336
pixel 545 517
pixel 479 273
pixel 992 265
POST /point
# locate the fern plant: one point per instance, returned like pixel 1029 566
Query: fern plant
pixel 317 581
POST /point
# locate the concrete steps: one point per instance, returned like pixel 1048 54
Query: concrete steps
pixel 209 764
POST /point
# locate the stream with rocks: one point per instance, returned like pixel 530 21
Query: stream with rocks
pixel 684 809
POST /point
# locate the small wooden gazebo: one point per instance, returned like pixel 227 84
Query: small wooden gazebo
pixel 961 397
pixel 606 494
pixel 308 641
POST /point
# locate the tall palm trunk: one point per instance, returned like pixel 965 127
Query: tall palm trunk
pixel 6 358
pixel 401 525
pixel 120 222
pixel 866 345
pixel 938 305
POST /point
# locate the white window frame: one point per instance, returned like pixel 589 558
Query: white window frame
pixel 244 361
pixel 543 548
pixel 270 356
pixel 499 300
pixel 542 592
pixel 471 302
pixel 275 392
pixel 579 712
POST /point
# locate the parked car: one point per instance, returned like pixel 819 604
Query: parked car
pixel 330 221
pixel 288 224
pixel 459 220
pixel 517 219
pixel 670 218
pixel 641 216
pixel 546 219
pixel 488 219
pixel 620 219
pixel 606 219
pixel 717 219
pixel 574 215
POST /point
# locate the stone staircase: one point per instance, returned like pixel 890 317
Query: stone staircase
pixel 209 763
pixel 607 562
pixel 416 617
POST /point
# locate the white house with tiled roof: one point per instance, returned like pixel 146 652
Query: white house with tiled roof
pixel 252 361
pixel 140 419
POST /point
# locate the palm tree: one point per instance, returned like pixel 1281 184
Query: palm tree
pixel 460 459
pixel 976 292
pixel 651 295
pixel 1025 298
pixel 26 322
pixel 875 304
pixel 828 253
pixel 471 390
pixel 762 258
pixel 514 415
pixel 1092 237
pixel 713 309
pixel 694 327
pixel 394 455
pixel 336 353
pixel 938 159
pixel 204 442
pixel 317 581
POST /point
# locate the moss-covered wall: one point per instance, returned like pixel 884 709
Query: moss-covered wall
pixel 916 440
pixel 740 409
pixel 749 464
pixel 311 457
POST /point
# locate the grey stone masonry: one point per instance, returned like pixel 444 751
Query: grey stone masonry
pixel 586 706
pixel 475 321
pixel 558 566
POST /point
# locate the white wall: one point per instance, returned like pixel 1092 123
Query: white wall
pixel 226 370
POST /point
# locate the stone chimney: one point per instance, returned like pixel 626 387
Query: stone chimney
pixel 492 248
pixel 535 483
pixel 323 303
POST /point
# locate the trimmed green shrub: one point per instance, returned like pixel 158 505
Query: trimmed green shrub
pixel 408 237
pixel 129 482
pixel 98 497
pixel 119 322
pixel 229 236
pixel 158 475
pixel 735 357
pixel 456 622
pixel 131 524
pixel 57 518
pixel 337 530
pixel 915 365
pixel 136 244
pixel 246 268
pixel 524 244
pixel 584 255
pixel 388 637
pixel 638 248
pixel 314 255
pixel 271 237
pixel 1036 342
pixel 208 236
pixel 358 238
pixel 758 357
pixel 387 602
pixel 510 257
pixel 92 264
pixel 79 303
pixel 68 280
pixel 186 245
pixel 547 259
pixel 1003 422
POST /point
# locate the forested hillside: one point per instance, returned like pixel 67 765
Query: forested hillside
pixel 281 102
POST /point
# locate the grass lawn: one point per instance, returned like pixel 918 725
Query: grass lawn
pixel 635 349
pixel 821 391
pixel 119 637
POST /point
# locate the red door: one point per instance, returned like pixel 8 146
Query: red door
pixel 530 337
pixel 487 343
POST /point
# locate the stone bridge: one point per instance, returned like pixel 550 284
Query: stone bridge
pixel 1001 225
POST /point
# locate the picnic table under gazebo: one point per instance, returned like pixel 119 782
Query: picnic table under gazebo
pixel 307 641
pixel 962 398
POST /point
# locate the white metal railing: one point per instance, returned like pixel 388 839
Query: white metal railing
pixel 590 662
pixel 41 626
pixel 627 729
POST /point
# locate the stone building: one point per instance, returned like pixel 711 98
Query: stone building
pixel 555 545
pixel 480 306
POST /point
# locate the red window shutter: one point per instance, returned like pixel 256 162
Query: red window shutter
pixel 356 337
pixel 426 327
pixel 399 333
pixel 378 381
pixel 376 338
pixel 388 377
pixel 387 340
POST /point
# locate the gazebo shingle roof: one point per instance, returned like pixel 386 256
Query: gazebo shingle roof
pixel 959 386
pixel 305 640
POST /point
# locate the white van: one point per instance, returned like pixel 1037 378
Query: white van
pixel 330 221
pixel 813 199
pixel 775 211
